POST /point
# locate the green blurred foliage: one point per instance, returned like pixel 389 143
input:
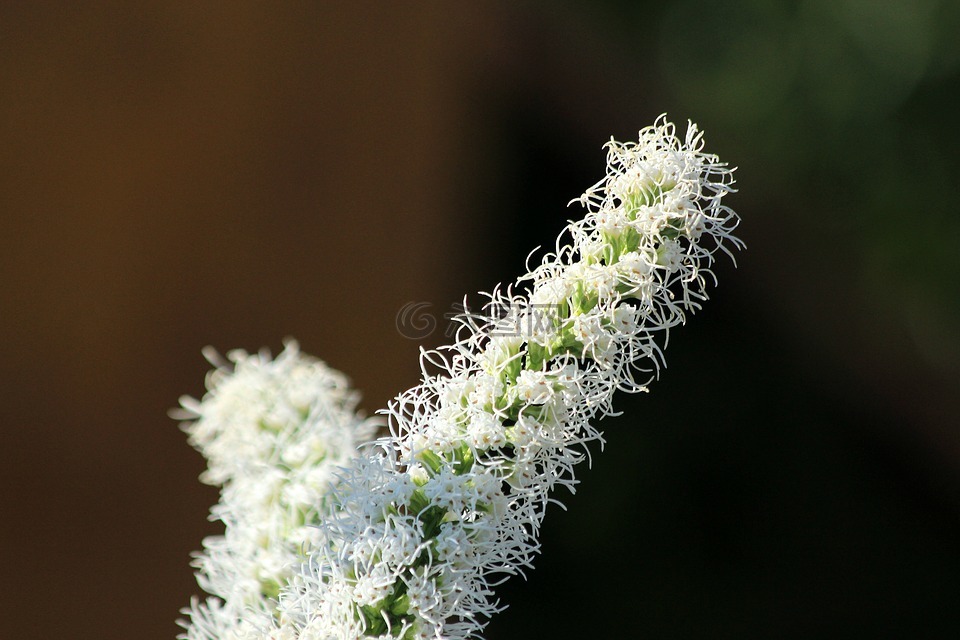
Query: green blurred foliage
pixel 842 114
pixel 846 111
pixel 774 483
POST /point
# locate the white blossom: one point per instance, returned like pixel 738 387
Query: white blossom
pixel 421 529
pixel 273 432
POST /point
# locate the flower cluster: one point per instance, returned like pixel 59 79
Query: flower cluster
pixel 421 529
pixel 274 433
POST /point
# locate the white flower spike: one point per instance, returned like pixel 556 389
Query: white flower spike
pixel 420 530
pixel 274 433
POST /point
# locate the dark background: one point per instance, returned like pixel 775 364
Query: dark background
pixel 174 175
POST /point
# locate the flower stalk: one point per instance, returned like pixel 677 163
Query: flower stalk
pixel 421 529
pixel 274 432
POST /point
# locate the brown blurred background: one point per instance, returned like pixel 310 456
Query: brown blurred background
pixel 177 174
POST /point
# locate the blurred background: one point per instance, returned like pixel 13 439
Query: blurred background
pixel 175 174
